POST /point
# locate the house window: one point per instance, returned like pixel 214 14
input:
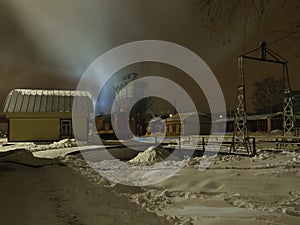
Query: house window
pixel 65 128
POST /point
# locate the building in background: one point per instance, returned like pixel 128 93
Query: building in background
pixel 188 123
pixel 126 91
pixel 104 127
pixel 260 122
pixel 3 126
pixel 296 103
pixel 46 115
pixel 183 124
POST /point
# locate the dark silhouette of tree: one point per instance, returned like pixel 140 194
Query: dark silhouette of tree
pixel 268 95
pixel 141 113
pixel 216 14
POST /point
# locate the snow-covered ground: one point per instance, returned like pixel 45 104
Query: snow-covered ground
pixel 50 151
pixel 234 189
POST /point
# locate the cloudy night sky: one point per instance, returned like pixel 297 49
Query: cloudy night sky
pixel 49 44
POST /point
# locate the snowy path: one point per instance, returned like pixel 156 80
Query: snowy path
pixel 43 191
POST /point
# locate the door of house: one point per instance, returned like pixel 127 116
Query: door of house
pixel 65 128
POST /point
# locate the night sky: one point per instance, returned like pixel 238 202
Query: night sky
pixel 49 44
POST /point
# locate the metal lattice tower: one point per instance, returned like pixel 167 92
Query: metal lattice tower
pixel 240 138
pixel 288 110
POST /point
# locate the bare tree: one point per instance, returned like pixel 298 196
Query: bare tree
pixel 216 14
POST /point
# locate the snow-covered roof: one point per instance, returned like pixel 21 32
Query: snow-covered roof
pixel 253 117
pixel 30 100
pixel 264 116
pixel 184 116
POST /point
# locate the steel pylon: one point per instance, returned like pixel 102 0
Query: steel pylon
pixel 288 109
pixel 240 138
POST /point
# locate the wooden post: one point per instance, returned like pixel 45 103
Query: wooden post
pixel 203 144
pixel 254 146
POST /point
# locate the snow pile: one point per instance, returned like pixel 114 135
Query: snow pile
pixel 65 143
pixel 152 155
pixel 17 146
pixel 296 158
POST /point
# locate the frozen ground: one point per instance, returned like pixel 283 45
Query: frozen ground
pixel 233 190
pixel 37 191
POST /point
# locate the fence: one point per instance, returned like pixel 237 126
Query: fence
pixel 207 143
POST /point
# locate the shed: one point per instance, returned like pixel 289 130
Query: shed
pixel 186 124
pixel 46 115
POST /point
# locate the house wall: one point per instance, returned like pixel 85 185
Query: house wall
pixel 189 126
pixel 119 120
pixel 81 127
pixel 34 129
pixel 218 126
pixel 173 128
pixel 258 125
pixel 276 123
pixel 43 126
pixel 267 125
